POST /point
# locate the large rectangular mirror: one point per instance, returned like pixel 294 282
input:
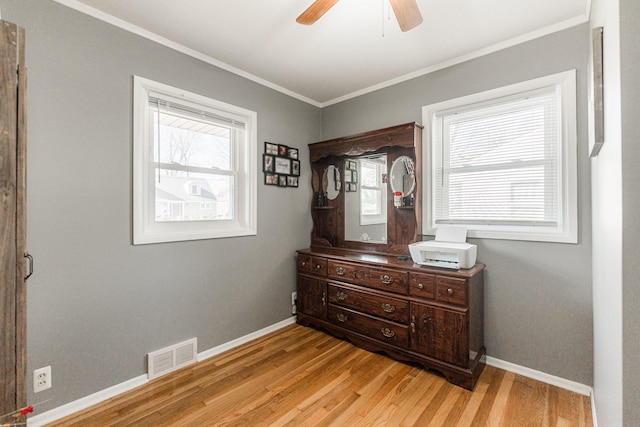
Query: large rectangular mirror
pixel 365 199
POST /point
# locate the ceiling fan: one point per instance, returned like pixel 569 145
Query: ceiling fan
pixel 406 11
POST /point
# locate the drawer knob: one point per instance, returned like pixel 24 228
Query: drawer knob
pixel 342 296
pixel 318 266
pixel 420 286
pixel 304 264
pixel 324 299
pixel 387 332
pixel 386 279
pixel 341 317
pixel 450 291
pixel 388 308
pixel 341 271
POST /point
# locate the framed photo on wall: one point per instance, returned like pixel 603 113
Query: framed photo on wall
pixel 268 164
pixel 280 165
pixel 270 148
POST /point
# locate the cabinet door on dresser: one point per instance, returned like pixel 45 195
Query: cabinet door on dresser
pixel 439 333
pixel 312 296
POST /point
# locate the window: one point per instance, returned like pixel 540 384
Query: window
pixel 194 166
pixel 373 203
pixel 503 162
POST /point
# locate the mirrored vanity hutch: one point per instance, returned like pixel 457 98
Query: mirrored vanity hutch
pixel 357 280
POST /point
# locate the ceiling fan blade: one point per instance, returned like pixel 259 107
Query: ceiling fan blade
pixel 407 13
pixel 315 11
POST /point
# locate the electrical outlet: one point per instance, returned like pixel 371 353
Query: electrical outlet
pixel 42 379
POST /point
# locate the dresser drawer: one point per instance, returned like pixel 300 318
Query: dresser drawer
pixel 312 265
pixel 377 278
pixel 422 285
pixel 375 305
pixel 372 327
pixel 451 290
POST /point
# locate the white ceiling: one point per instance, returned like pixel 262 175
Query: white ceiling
pixel 354 48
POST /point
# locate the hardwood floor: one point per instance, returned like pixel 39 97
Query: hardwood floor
pixel 298 376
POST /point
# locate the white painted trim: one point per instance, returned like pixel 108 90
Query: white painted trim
pixel 100 396
pixel 579 388
pixel 98 14
pixel 594 418
pixel 245 339
pixel 85 402
pixel 560 26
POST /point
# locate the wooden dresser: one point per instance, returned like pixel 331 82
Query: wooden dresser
pixel 368 290
pixel 433 317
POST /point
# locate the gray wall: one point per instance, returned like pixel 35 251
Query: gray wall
pixel 630 83
pixel 97 304
pixel 538 306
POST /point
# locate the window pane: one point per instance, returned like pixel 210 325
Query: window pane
pixel 504 136
pixel 370 202
pixel 189 196
pixel 369 174
pixel 189 142
pixel 501 195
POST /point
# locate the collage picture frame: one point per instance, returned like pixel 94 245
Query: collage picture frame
pixel 280 165
pixel 350 176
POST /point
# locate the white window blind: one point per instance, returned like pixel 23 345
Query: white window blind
pixel 498 163
pixel 194 111
pixel 503 162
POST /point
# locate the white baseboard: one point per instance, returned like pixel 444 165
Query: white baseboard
pixel 95 398
pixel 579 388
pixel 593 410
pixel 85 402
pixel 245 339
pixel 582 389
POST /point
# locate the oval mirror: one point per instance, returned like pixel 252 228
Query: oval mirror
pixel 403 178
pixel 331 182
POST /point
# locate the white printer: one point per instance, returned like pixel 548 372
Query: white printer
pixel 448 250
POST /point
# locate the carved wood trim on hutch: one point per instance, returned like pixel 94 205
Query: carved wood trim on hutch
pixel 403 225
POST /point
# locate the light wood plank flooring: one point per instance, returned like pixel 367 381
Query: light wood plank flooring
pixel 298 376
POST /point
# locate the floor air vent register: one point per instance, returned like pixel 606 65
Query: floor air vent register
pixel 170 358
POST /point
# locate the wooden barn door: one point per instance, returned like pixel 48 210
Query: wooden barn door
pixel 13 265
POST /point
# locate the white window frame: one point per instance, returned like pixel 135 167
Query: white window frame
pixel 381 216
pixel 566 230
pixel 145 228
